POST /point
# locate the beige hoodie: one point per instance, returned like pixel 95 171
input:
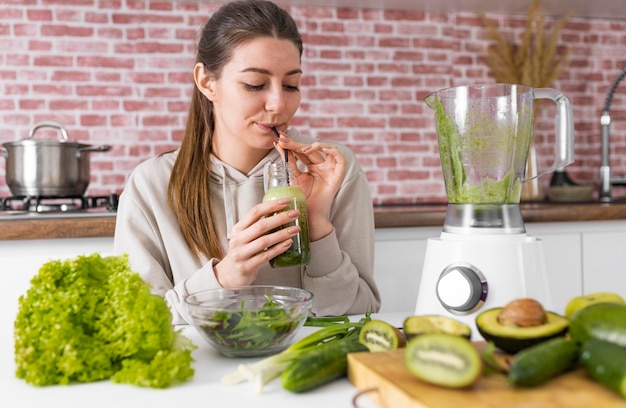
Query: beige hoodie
pixel 341 271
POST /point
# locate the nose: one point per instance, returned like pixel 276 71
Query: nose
pixel 275 100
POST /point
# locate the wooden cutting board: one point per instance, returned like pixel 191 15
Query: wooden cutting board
pixel 393 386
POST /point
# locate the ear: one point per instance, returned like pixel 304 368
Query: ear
pixel 205 82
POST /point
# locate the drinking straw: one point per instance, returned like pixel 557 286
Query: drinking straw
pixel 286 156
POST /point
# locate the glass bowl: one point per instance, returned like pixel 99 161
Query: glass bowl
pixel 249 321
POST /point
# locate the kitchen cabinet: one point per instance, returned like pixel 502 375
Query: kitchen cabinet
pixel 400 254
pixel 584 257
pixel 398 265
pixel 581 257
pixel 604 251
pixel 26 256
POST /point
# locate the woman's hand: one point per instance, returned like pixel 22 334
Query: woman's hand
pixel 320 183
pixel 250 245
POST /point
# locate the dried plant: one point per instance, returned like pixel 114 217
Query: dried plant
pixel 536 61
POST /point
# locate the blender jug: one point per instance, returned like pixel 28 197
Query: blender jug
pixel 483 257
pixel 484 134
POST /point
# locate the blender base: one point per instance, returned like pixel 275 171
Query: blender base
pixel 464 275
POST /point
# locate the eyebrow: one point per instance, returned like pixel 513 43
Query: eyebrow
pixel 266 72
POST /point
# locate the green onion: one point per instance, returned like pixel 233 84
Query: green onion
pixel 264 371
pixel 325 321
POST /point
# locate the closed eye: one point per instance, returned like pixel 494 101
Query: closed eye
pixel 256 88
pixel 250 87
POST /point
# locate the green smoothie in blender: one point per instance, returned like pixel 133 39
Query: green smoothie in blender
pixel 478 140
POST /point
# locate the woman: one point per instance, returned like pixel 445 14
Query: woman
pixel 193 219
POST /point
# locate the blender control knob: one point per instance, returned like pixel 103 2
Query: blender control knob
pixel 461 289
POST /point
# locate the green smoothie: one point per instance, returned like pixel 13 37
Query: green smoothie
pixel 300 252
pixel 506 190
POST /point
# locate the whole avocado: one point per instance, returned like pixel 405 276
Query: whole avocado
pixel 603 321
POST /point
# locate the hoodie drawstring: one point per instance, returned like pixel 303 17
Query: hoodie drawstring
pixel 229 206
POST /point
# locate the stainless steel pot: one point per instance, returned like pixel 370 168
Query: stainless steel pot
pixel 48 168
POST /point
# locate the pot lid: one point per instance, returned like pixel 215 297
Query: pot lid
pixel 62 136
pixel 63 140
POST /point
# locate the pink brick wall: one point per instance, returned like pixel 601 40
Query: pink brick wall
pixel 119 72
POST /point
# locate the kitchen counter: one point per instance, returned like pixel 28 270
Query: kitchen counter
pixel 205 389
pixel 434 215
pixel 424 215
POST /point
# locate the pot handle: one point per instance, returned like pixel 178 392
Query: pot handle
pixel 101 148
pixel 4 151
pixel 52 124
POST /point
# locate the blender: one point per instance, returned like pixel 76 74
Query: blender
pixel 484 258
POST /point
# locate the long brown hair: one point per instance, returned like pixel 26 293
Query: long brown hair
pixel 189 189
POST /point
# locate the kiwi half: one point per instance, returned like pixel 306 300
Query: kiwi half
pixel 378 335
pixel 443 359
pixel 423 324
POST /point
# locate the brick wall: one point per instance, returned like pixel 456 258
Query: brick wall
pixel 119 72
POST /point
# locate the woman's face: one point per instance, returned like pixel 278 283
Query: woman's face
pixel 259 88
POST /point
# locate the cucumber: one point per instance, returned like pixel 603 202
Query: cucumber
pixel 606 363
pixel 320 365
pixel 604 321
pixel 539 363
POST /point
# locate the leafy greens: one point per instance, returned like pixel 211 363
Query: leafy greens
pixel 91 318
pixel 254 329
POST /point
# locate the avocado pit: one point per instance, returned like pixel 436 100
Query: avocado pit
pixel 523 312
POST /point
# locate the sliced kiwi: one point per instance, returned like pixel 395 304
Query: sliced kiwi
pixel 443 359
pixel 378 335
pixel 423 324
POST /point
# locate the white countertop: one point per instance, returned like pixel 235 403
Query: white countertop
pixel 204 390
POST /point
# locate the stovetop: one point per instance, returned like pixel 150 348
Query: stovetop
pixel 31 208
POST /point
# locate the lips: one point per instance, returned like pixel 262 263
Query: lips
pixel 268 127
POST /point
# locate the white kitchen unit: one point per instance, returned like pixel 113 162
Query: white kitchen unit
pixel 25 257
pixel 591 251
pixel 604 251
pixel 398 265
pixel 400 254
pixel 581 257
pixel 54 248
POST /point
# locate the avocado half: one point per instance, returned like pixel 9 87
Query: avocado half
pixel 512 339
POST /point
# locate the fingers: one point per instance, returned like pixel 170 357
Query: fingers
pixel 248 256
pixel 263 218
pixel 318 152
pixel 261 229
pixel 240 265
pixel 315 153
pixel 259 211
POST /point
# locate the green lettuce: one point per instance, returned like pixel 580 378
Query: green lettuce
pixel 92 318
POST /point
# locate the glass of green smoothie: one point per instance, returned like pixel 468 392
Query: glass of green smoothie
pixel 280 184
